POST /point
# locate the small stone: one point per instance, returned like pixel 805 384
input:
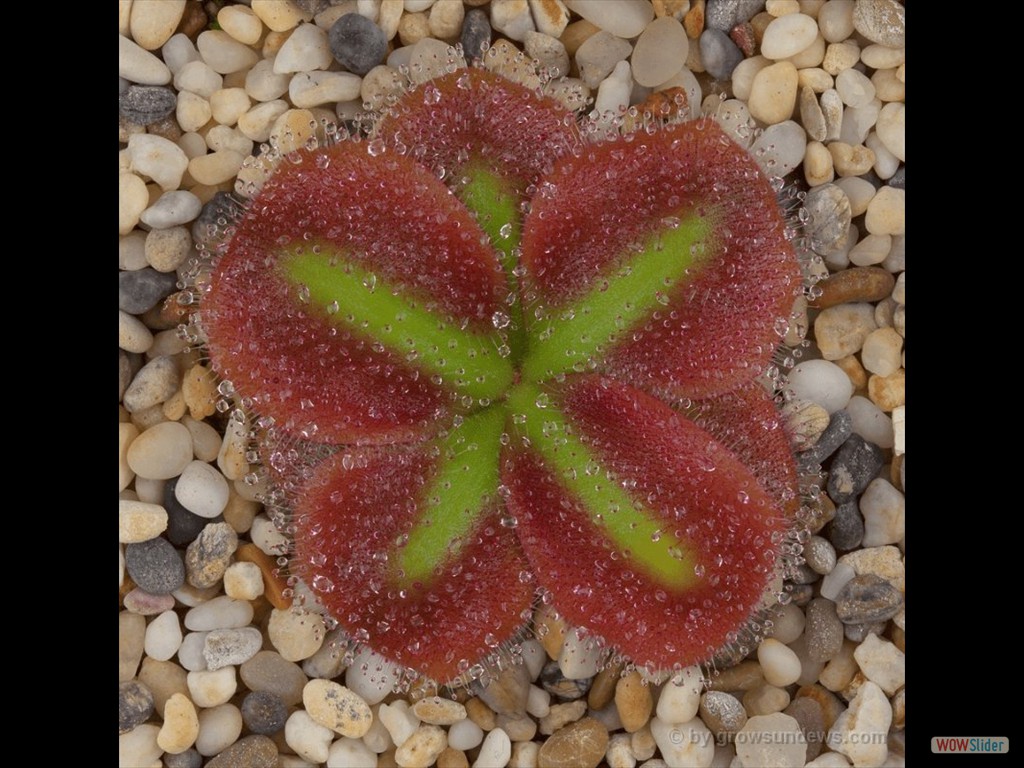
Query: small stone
pixel 296 635
pixel 780 148
pixel 445 19
pixel 883 508
pixel 870 250
pixel 400 723
pixel 137 65
pixel 881 21
pixel 142 289
pixel 625 20
pixel 867 599
pixel 881 351
pixel 336 707
pixel 882 663
pixel 780 665
pixel 884 562
pixel 182 525
pixel 841 330
pixel 633 701
pixel 146 104
pixel 860 732
pixel 860 284
pixel 829 213
pixel 719 54
pixel 855 465
pixel 134 705
pixel 437 711
pixel 550 16
pixel 155 383
pixel 357 43
pixel 820 555
pixel 370 676
pixel 679 699
pixel 660 52
pixel 267 671
pixel 597 57
pixel 476 34
pixel 765 700
pixel 219 728
pixel 463 735
pixel 582 743
pixel 155 566
pixel 163 679
pixel 138 521
pixel 689 743
pixel 507 692
pixel 771 740
pixel 138 746
pixel 243 581
pixel 741 677
pixel 788 35
pixel 888 392
pixel 620 752
pixel 422 748
pixel 181 725
pixel 821 382
pixel 548 51
pixel 642 743
pixel 224 54
pixel 496 750
pixel 212 688
pixel 773 93
pixel 559 715
pixel 886 213
pixel 725 14
pixel 173 208
pixel 219 613
pixel 824 630
pixel 202 490
pixel 723 713
pixel 263 712
pixel 846 530
pixel 227 647
pixel 251 751
pixel 163 637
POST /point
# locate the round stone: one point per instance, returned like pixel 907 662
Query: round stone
pixel 660 52
pixel 155 566
pixel 582 743
pixel 202 489
pixel 718 53
pixel 773 93
pixel 357 43
pixel 821 382
pixel 679 699
pixel 867 599
pixel 476 34
pixel 146 104
pixel 231 647
pixel 881 21
pixel 140 290
pixel 780 665
pixel 219 613
pixel 267 671
pixel 774 739
pixel 264 712
pixel 788 35
pixel 163 637
pixel 181 725
pixel 824 633
pixel 251 751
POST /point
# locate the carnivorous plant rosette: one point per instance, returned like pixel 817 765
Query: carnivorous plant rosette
pixel 504 360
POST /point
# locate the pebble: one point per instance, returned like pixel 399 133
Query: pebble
pixel 163 678
pixel 401 723
pixel 846 530
pixel 263 84
pixel 163 637
pixel 224 54
pixel 445 19
pixel 818 168
pixel 860 732
pixel 870 250
pixel 832 110
pixel 181 725
pixel 132 199
pixel 821 382
pixel 867 599
pixel 241 23
pixel 661 50
pixel 886 213
pixel 858 191
pixel 167 249
pixel 882 663
pixel 679 699
pixel 883 508
pixel 142 289
pixel 464 735
pixel 726 14
pixel 155 383
pixel 559 715
pixel 476 34
pixel 773 93
pixel 309 739
pixel 820 555
pixel 835 20
pixel 435 710
pixel 743 76
pixel 134 705
pixel 856 464
pixel 507 692
pixel 885 562
pixel 336 707
pixel 346 753
pixel 311 89
pixel 212 688
pixel 173 208
pixel 190 758
pixel 780 665
pixel 138 521
pixel 719 54
pixel 891 127
pixel 811 116
pixel 219 613
pixel 263 712
pixel 155 566
pixel 888 392
pixel 217 167
pixel 787 623
pixel 198 78
pixel 824 633
pixel 841 330
pixel 859 284
pixel 295 634
pixel 548 51
pixel 633 701
pixel 138 746
pixel 219 728
pixel 190 654
pixel 267 671
pixel 581 744
pixel 597 57
pixel 226 106
pixel 642 743
pixel 202 490
pixel 182 526
pixel 192 114
pixel 305 50
pixel 723 713
pixel 881 21
pixel 371 676
pixel 146 104
pixel 881 351
pixel 788 35
pixel 780 148
pixel 231 647
pixel 512 18
pixel 243 581
pixel 626 19
pixel 251 751
pixel 829 217
pixel 771 740
pixel 620 753
pixel 765 700
pixel 422 748
pixel 137 65
pixel 683 744
pixel 496 750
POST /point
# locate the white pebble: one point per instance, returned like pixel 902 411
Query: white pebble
pixel 744 74
pixel 193 111
pixel 241 23
pixel 788 623
pixel 512 18
pixel 733 117
pixel 613 94
pixel 309 739
pixel 221 138
pixel 131 252
pixel 683 744
pixel 257 123
pixel 173 208
pixel 464 735
pixel 788 35
pixel 216 167
pixel 774 739
pixel 209 689
pixel 780 665
pixel 496 750
pixel 855 88
pixel 158 158
pixel 161 452
pixel 880 57
pixel 835 20
pixel 199 78
pixel 836 579
pixel 534 657
pixel 625 19
pixel 190 654
pixel 401 723
pixel 821 382
pixel 886 214
pixel 219 613
pixel 223 53
pixel 861 731
pixel 263 84
pixel 891 129
pixel 163 636
pixel 580 656
pixel 598 57
pixel 350 753
pixel 265 535
pixel 371 676
pixel 884 509
pixel 679 699
pixel 870 250
pixel 858 191
pixel 150 491
pixel 138 65
pixel 780 148
pixel 660 51
pixel 870 422
pixel 295 634
pixel 178 51
pixel 310 89
pixel 538 702
pixel 138 746
pixel 306 49
pixel 882 663
pixel 202 490
pixel 886 163
pixel 219 728
pixel 881 351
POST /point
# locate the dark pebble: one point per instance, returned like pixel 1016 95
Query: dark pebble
pixel 155 566
pixel 560 686
pixel 182 526
pixel 264 713
pixel 867 599
pixel 804 574
pixel 855 465
pixel 824 630
pixel 187 759
pixel 251 751
pixel 899 179
pixel 840 427
pixel 719 54
pixel 134 705
pixel 146 104
pixel 220 212
pixel 857 632
pixel 811 718
pixel 141 289
pixel 357 43
pixel 846 531
pixel 476 34
pixel 725 14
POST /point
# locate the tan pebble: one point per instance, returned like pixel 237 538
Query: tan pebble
pixel 888 392
pixel 765 700
pixel 561 714
pixel 181 725
pixel 452 758
pixel 602 690
pixel 642 743
pixel 138 521
pixel 445 19
pixel 743 677
pixel 241 23
pixel 633 701
pixel 899 638
pixel 854 371
pixel 524 754
pixel 293 129
pixel 481 714
pixel 131 638
pixel 815 78
pixel 831 706
pixel 243 581
pixel 164 679
pixel 216 167
pixel 518 727
pixel 888 86
pixel 841 330
pixel 674 8
pixel 850 160
pixel 174 406
pixel 840 57
pixel 760 23
pixel 389 16
pixel 840 669
pixel 773 94
pixel 811 56
pixel 576 34
pixel 279 15
pixel 438 711
pixel 693 21
pixel 805 421
pixel 126 433
pixel 854 285
pixel 252 751
pixel 779 8
pixel 818 168
pixel 133 199
pixel 550 630
pixel 886 214
pixel 336 707
pixel 296 634
pixel 199 388
pixel 580 745
pixel 239 512
pixel 422 748
pixel 274 584
pixel 413 27
pixel 154 21
pixel 620 753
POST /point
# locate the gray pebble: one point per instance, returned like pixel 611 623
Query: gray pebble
pixel 209 556
pixel 829 222
pixel 723 713
pixel 268 671
pixel 854 466
pixel 190 758
pixel 823 630
pixel 140 290
pixel 867 599
pixel 858 632
pixel 723 15
pixel 719 54
pixel 804 574
pixel 263 712
pixel 134 705
pixel 840 427
pixel 357 43
pixel 329 661
pixel 899 179
pixel 476 34
pixel 809 716
pixel 153 384
pixel 231 647
pixel 173 208
pixel 820 555
pixel 801 594
pixel 846 531
pixel 146 104
pixel 560 686
pixel 218 214
pixel 155 566
pixel 182 526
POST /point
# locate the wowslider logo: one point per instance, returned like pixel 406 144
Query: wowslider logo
pixel 971 744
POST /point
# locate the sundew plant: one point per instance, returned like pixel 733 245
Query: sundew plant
pixel 496 357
